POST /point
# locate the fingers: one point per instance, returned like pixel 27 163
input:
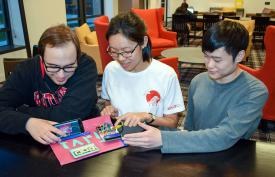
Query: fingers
pixel 43 131
pixel 114 113
pixel 40 140
pixel 150 138
pixel 57 131
pixel 138 135
pixel 47 138
pixel 128 119
pixel 109 111
pixel 136 139
pixel 122 118
pixel 136 143
pixel 52 122
pixel 118 122
pixel 50 138
pixel 144 126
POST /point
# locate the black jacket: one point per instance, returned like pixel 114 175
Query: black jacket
pixel 186 12
pixel 17 102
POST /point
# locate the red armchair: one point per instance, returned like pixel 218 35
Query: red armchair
pixel 101 27
pixel 266 73
pixel 161 38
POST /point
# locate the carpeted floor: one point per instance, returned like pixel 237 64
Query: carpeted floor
pixel 187 72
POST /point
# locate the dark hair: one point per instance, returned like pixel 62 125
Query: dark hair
pixel 57 36
pixel 184 5
pixel 133 28
pixel 231 35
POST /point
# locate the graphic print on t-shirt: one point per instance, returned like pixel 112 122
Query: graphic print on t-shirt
pixel 49 99
pixel 153 98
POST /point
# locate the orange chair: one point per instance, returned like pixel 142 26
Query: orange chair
pixel 266 73
pixel 161 38
pixel 173 62
pixel 101 27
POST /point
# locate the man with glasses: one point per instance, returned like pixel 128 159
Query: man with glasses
pixel 57 85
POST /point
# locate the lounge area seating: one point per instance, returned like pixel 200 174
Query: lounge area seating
pixel 101 26
pixel 10 65
pixel 264 73
pixel 261 22
pixel 161 39
pixel 89 44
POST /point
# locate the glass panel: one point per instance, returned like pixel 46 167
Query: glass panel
pixel 90 22
pixel 72 9
pixel 3 39
pixel 73 23
pixel 2 16
pixel 93 7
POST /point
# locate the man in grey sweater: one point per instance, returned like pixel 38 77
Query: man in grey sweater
pixel 224 104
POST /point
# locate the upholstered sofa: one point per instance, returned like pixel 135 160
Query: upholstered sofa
pixel 89 44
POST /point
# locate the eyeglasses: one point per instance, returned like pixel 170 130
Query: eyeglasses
pixel 55 69
pixel 125 54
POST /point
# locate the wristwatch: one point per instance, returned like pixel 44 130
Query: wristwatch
pixel 153 118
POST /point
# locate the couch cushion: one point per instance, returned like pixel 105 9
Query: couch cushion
pixel 91 38
pixel 82 31
pixel 149 16
pixel 161 42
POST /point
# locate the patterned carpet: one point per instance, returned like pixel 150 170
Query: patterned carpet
pixel 188 71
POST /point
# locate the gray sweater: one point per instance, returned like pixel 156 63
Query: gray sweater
pixel 218 115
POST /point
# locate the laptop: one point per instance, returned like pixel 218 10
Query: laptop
pixel 190 9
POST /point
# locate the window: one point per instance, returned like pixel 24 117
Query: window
pixel 11 27
pixel 83 11
pixel 4 29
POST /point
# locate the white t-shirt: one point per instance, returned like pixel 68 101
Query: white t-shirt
pixel 155 89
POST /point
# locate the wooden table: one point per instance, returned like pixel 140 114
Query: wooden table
pixel 191 55
pixel 22 157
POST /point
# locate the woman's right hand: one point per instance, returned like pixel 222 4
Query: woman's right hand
pixel 109 111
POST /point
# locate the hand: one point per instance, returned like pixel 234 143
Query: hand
pixel 109 111
pixel 150 138
pixel 43 131
pixel 132 119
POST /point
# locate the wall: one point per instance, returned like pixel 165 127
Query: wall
pixel 110 8
pixel 250 6
pixel 40 14
pixel 155 3
pixel 256 6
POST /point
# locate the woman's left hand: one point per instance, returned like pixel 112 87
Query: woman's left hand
pixel 132 119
